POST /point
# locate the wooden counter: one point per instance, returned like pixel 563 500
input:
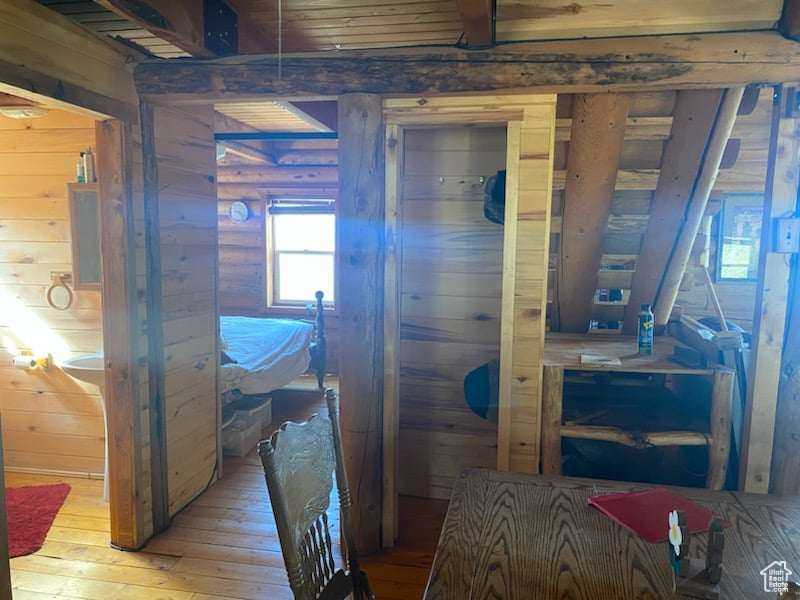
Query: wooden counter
pixel 563 353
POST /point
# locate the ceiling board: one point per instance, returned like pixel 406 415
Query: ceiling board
pixel 327 24
pixel 562 19
pixel 269 116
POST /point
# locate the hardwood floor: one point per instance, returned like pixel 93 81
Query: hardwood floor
pixel 223 546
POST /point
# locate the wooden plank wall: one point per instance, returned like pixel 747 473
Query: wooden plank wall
pixel 451 273
pixel 50 421
pixel 144 483
pixel 649 123
pixel 302 169
pixel 185 150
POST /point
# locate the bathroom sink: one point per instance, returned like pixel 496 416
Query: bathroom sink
pixel 89 368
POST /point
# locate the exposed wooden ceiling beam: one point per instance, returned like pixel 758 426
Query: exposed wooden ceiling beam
pixel 179 22
pixel 598 129
pixel 249 150
pixel 692 123
pixel 789 24
pixel 477 19
pixel 696 209
pixel 619 64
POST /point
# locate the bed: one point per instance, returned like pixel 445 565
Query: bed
pixel 264 354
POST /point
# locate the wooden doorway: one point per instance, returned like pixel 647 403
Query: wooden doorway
pixel 529 122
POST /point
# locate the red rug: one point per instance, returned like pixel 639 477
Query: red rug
pixel 31 511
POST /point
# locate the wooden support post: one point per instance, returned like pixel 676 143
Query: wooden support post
pixel 693 120
pixel 391 334
pixel 771 301
pixel 785 478
pixel 552 402
pixel 359 236
pixel 529 167
pixel 598 128
pixel 676 267
pixel 720 449
pixel 155 333
pixel 120 324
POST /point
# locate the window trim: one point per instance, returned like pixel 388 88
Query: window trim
pixel 721 240
pixel 272 275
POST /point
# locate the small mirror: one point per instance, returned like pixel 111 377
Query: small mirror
pixel 84 212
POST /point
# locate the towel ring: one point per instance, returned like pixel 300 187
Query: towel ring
pixel 60 280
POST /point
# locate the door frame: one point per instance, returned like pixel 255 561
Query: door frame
pixel 527 211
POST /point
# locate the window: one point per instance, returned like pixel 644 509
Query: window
pixel 301 250
pixel 739 236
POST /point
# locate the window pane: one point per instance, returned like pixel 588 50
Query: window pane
pixel 305 232
pixel 301 275
pixel 740 236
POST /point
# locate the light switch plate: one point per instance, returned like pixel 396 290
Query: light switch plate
pixel 787 238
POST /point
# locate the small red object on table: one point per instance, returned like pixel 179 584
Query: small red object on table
pixel 645 513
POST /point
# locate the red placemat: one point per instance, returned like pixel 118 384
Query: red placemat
pixel 646 513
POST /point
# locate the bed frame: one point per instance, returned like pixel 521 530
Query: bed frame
pixel 319 346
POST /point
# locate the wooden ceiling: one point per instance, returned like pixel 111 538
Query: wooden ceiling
pixel 271 116
pixel 175 27
pixel 102 21
pixel 330 24
pixel 561 19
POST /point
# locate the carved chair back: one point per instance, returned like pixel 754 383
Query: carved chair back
pixel 300 461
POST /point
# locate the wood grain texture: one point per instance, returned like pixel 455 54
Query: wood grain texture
pixel 598 129
pixel 448 324
pixel 359 261
pixel 120 324
pixel 771 306
pixel 477 19
pixel 186 235
pixel 648 62
pixel 785 474
pixel 529 185
pixel 65 432
pixel 558 19
pixel 510 536
pixel 392 292
pixel 66 66
pixel 696 209
pixel 694 117
pixel 223 546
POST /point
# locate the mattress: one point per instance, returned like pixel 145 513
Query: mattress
pixel 269 353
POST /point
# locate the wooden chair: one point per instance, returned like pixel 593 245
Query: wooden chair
pixel 299 462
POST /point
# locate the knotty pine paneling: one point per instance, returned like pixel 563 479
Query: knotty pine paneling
pixel 51 422
pixel 450 304
pixel 186 163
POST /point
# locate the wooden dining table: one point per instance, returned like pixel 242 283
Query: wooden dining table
pixel 534 537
